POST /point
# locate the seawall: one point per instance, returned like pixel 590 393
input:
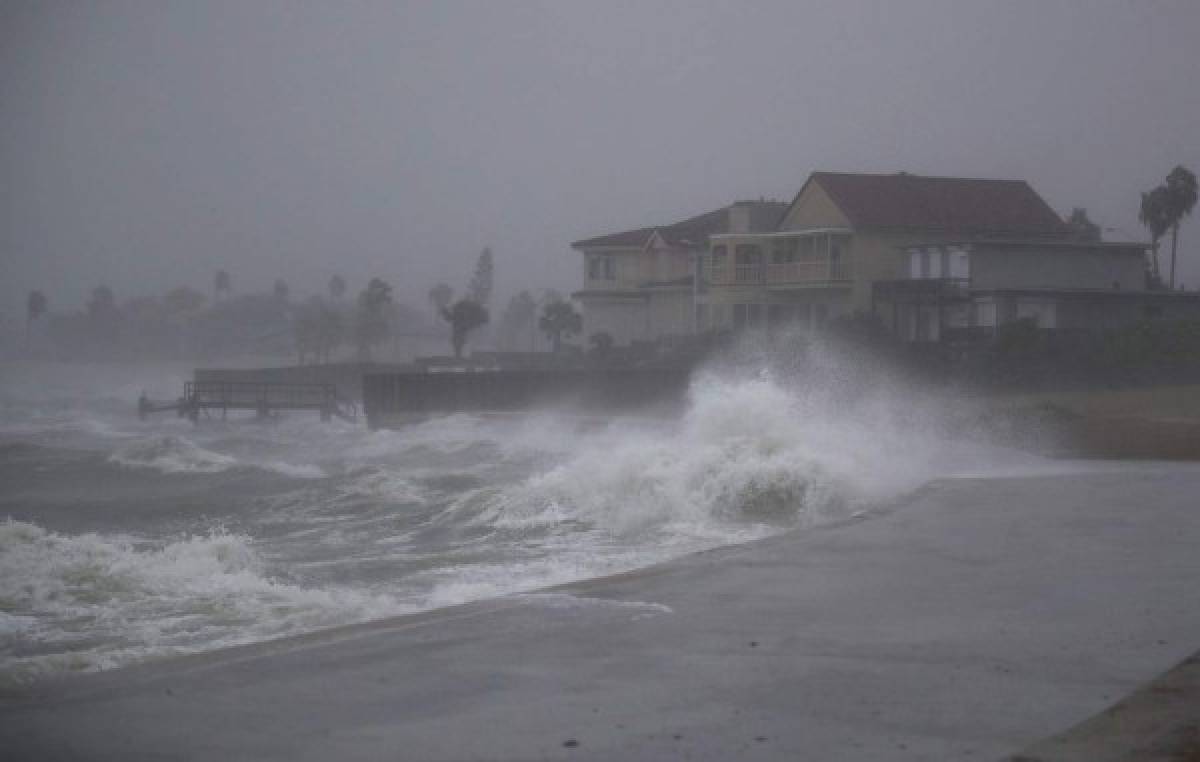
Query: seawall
pixel 392 399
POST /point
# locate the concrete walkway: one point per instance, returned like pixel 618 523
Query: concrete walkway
pixel 967 622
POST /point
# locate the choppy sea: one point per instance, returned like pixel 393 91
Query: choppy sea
pixel 124 540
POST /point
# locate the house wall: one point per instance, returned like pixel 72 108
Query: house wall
pixel 813 209
pixel 627 270
pixel 625 319
pixel 999 267
pixel 670 313
pixel 875 257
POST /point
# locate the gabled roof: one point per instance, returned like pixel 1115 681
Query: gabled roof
pixel 945 204
pixel 694 231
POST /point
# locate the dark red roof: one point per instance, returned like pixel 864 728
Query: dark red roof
pixel 764 216
pixel 945 204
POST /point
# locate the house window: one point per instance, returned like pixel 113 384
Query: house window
pixel 1042 312
pixel 602 268
pixel 985 314
pixel 924 273
pixel 718 255
pixel 960 264
pixel 754 315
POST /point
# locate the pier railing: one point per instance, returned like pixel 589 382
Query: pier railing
pixel 250 395
pixel 264 398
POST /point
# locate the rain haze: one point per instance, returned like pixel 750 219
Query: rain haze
pixel 599 380
pixel 144 145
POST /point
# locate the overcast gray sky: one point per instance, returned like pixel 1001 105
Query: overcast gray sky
pixel 146 144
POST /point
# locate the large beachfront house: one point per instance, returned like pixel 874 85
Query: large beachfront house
pixel 932 257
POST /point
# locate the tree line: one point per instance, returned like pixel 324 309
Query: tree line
pixel 186 323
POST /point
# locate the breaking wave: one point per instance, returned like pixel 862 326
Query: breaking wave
pixel 448 511
pixel 94 601
pixel 176 455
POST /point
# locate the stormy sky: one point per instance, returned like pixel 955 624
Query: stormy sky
pixel 144 145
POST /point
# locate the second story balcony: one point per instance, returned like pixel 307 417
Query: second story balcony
pixel 810 258
pixel 780 273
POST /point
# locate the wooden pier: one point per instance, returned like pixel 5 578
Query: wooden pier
pixel 205 398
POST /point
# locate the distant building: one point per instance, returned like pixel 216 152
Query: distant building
pixel 934 258
pixel 640 285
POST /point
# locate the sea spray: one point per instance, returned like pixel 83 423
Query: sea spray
pixel 222 547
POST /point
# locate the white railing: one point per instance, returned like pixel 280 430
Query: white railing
pixel 786 272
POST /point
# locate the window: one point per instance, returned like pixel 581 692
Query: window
pixel 985 314
pixel 718 256
pixel 1042 312
pixel 602 267
pixel 754 315
pixel 924 264
pixel 960 264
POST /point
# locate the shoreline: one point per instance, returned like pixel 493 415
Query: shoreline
pixel 863 632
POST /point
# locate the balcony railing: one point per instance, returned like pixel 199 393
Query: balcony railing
pixel 785 272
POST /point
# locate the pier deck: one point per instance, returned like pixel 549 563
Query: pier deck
pixel 203 398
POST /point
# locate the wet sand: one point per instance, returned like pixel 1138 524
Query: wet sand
pixel 966 622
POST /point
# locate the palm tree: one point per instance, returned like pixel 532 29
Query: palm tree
pixel 465 316
pixel 1155 215
pixel 337 287
pixel 560 319
pixel 222 284
pixel 371 323
pixel 35 307
pixel 1181 199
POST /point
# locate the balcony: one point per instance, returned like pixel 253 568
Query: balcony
pixel 783 273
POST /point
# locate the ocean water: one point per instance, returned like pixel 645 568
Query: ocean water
pixel 123 540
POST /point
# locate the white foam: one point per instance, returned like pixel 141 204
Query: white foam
pixel 178 455
pixel 568 601
pixel 95 601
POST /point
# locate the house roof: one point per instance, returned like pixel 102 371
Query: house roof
pixel 946 204
pixel 764 215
